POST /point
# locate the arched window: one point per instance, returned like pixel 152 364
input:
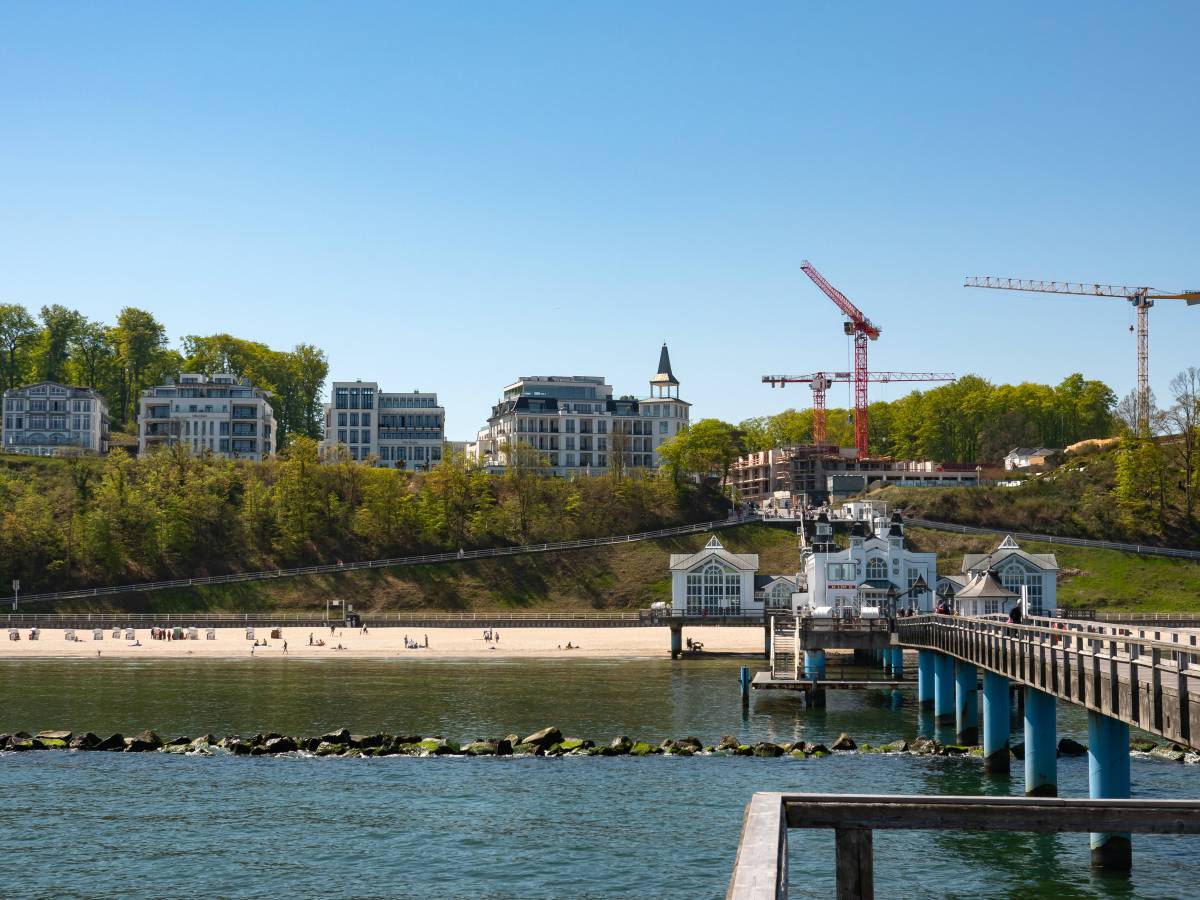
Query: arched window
pixel 877 569
pixel 1014 576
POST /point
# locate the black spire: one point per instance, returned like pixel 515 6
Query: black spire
pixel 664 368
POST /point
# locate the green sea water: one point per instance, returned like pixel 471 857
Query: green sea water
pixel 87 825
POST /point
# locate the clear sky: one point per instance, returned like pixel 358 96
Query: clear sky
pixel 449 195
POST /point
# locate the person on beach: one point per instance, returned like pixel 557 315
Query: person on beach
pixel 426 642
pixel 310 643
pixel 285 646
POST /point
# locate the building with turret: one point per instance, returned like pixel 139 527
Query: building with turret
pixel 573 424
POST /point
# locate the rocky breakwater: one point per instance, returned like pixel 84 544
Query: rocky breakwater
pixel 546 742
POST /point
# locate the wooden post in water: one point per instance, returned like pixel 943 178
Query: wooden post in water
pixel 676 641
pixel 855 864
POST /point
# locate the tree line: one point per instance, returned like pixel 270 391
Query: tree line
pixel 82 521
pixel 122 359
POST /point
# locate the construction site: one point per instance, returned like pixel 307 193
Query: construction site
pixel 789 477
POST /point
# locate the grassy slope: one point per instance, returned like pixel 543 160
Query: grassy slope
pixel 631 576
pixel 620 577
pixel 1103 579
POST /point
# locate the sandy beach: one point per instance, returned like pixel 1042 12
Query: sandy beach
pixel 385 642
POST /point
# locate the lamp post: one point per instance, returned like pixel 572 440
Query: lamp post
pixel 16 592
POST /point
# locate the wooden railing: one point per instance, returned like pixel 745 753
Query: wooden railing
pixel 1144 682
pixel 761 869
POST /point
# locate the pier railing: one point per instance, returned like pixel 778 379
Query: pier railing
pixel 335 568
pixel 761 869
pixel 1148 683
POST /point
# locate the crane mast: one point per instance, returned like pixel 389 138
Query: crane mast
pixel 1142 298
pixel 820 382
pixel 863 329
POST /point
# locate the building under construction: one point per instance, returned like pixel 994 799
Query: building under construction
pixel 792 476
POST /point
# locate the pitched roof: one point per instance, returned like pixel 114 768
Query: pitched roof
pixel 761 582
pixel 985 586
pixel 975 562
pixel 746 562
pixel 665 375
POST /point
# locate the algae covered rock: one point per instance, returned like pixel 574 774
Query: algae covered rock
pixel 85 741
pixel 1169 752
pixel 925 745
pixel 844 742
pixel 767 749
pixel 817 750
pixel 64 736
pixel 1068 747
pixel 480 748
pixel 114 742
pixel 524 749
pixel 545 738
pixel 1142 745
pixel 900 746
pixel 691 743
pixel 341 736
pixel 728 742
pixel 282 744
pixel 641 748
pixel 620 745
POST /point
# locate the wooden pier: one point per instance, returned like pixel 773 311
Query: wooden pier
pixel 761 869
pixel 763 681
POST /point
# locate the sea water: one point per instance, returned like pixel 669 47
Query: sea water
pixel 92 824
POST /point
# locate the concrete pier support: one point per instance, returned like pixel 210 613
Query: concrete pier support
pixel 966 704
pixel 814 664
pixel 997 720
pixel 767 641
pixel 897 662
pixel 885 662
pixel 1108 777
pixel 925 678
pixel 943 688
pixel 676 641
pixel 814 668
pixel 1041 745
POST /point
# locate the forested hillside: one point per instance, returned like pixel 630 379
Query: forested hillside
pixel 971 420
pixel 1140 491
pixel 85 521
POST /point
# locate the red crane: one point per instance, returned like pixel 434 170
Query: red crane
pixel 863 330
pixel 820 382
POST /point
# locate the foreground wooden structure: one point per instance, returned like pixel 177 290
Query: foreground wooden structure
pixel 761 869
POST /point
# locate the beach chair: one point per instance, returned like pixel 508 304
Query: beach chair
pixel 177 633
pixel 211 634
pixel 129 636
pixel 35 633
pixel 193 634
pixel 14 634
pixel 276 633
pixel 97 634
pixel 249 634
pixel 69 635
pixel 116 634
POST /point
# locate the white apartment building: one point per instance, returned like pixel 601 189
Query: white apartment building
pixel 50 419
pixel 400 431
pixel 576 426
pixel 220 414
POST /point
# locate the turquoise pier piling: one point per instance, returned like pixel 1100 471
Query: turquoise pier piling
pixel 1108 778
pixel 943 688
pixel 814 668
pixel 744 683
pixel 1041 745
pixel 966 704
pixel 925 678
pixel 997 721
pixel 897 662
pixel 676 641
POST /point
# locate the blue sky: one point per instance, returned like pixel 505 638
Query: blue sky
pixel 447 196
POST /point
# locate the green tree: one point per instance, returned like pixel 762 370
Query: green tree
pixel 140 342
pixel 17 331
pixel 52 348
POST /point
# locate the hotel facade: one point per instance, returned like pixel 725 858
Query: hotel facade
pixel 399 431
pixel 220 414
pixel 572 424
pixel 51 419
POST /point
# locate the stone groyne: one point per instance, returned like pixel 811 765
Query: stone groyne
pixel 547 742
